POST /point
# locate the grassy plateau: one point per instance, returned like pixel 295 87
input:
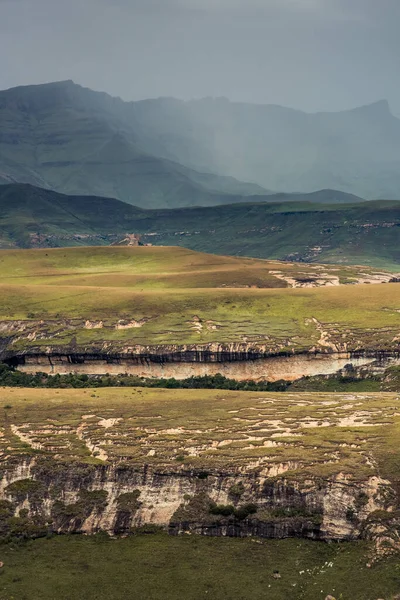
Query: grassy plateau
pixel 168 295
pixel 122 296
pixel 317 434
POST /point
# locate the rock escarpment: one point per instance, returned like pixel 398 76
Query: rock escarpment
pixel 213 462
pixel 38 495
pixel 235 361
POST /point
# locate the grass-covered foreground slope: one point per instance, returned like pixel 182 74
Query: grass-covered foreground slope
pixel 111 299
pixel 300 435
pixel 361 233
pixel 166 568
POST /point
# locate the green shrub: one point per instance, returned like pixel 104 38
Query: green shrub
pixel 236 491
pixel 223 510
pixel 86 504
pixel 129 502
pixel 351 515
pixel 361 500
pixel 25 527
pixel 245 511
pixel 25 488
pixel 228 510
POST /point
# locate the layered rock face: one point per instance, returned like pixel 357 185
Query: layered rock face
pixel 41 495
pixel 234 362
pixel 213 462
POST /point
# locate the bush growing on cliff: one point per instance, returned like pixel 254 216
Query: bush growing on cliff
pixel 351 515
pixel 129 502
pixel 195 508
pixel 222 509
pixel 11 377
pixel 25 527
pixel 245 511
pixel 19 527
pixel 236 491
pixel 86 504
pixel 24 488
pixel 361 500
pixel 228 510
pixel 6 513
pixel 389 381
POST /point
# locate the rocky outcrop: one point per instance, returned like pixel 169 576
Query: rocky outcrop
pixel 130 239
pixel 119 346
pixel 235 361
pixel 40 495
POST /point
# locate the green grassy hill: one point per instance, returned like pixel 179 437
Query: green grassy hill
pixel 366 233
pixel 360 233
pixel 28 211
pixel 169 268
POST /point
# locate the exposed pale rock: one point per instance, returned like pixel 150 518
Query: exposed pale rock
pixel 94 325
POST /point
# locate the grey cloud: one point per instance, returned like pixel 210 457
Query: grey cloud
pixel 310 54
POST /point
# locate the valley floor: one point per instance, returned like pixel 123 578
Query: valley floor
pixel 160 567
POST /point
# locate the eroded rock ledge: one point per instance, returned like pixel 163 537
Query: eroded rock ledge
pixel 214 462
pixel 235 361
pixel 45 495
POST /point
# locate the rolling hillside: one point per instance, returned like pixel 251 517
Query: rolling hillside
pixel 88 297
pixel 360 233
pixel 170 267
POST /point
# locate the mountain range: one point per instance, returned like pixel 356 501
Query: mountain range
pixel 64 137
pixel 168 153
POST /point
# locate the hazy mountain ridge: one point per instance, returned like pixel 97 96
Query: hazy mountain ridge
pixel 65 137
pixel 170 153
pixel 356 151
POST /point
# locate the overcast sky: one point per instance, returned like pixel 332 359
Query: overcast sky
pixel 307 54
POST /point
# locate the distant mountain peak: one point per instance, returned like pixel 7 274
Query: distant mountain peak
pixel 378 108
pixel 66 83
pixel 62 83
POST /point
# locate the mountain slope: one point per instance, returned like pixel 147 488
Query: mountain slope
pixel 356 151
pixel 359 233
pixel 171 153
pixel 67 138
pixel 28 211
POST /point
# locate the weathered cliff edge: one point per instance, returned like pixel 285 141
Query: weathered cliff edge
pixel 321 466
pixel 96 348
pixel 235 361
pixel 40 495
